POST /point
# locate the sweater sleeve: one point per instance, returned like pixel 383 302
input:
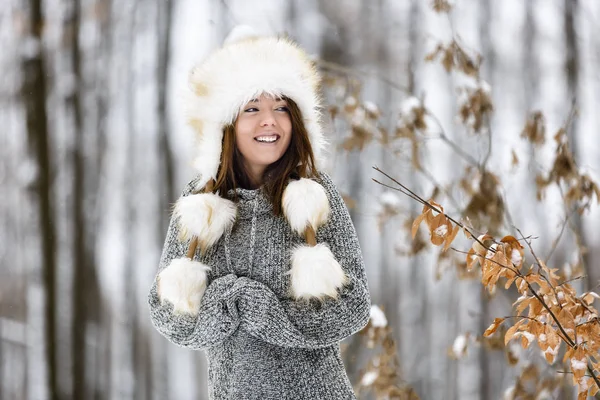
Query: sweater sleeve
pixel 290 323
pixel 216 320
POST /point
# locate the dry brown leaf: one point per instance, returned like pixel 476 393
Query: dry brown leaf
pixel 438 229
pixel 493 327
pixel 450 238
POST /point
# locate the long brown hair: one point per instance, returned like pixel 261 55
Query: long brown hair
pixel 297 162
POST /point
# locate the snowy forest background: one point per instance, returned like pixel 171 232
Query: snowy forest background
pixel 94 150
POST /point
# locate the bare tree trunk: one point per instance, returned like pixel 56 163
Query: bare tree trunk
pixel 167 177
pixel 131 216
pixel 572 71
pixel 101 389
pixel 489 68
pixel 73 104
pixel 33 92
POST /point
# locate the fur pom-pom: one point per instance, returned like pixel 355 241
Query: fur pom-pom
pixel 305 204
pixel 183 284
pixel 205 216
pixel 315 273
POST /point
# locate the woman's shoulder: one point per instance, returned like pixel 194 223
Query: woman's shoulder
pixel 330 187
pixel 192 185
pixel 324 178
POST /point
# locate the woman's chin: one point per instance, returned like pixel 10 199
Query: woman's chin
pixel 268 160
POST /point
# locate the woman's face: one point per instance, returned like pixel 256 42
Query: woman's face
pixel 263 131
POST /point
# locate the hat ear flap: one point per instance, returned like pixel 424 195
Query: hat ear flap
pixel 314 272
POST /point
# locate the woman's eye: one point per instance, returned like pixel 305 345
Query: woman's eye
pixel 283 108
pixel 251 109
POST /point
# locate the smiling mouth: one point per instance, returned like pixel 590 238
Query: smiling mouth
pixel 267 139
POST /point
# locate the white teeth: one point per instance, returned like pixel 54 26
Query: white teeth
pixel 267 139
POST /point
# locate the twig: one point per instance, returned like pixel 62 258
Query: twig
pixel 506 209
pixel 489 150
pixel 560 327
pixel 523 317
pixel 538 263
pixel 454 146
pixel 489 259
pixel 569 372
pixel 557 240
pixel 595 319
pixel 573 279
pixel 426 203
pixel 432 179
pixel 356 72
pixel 401 191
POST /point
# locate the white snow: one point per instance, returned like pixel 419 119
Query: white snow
pixel 584 384
pixel 460 345
pixel 390 199
pixel 529 336
pixel 553 350
pixel 351 101
pixel 542 337
pixel 408 107
pixel 509 393
pixel 359 116
pixel 371 107
pixel 369 378
pixel 490 253
pixel 378 318
pixel 578 364
pixel 441 230
pixel 515 257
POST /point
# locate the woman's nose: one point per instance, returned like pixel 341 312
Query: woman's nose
pixel 268 119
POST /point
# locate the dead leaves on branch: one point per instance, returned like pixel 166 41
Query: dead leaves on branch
pixel 486 205
pixel 580 189
pixel 535 129
pixel 441 229
pixel 362 119
pixel 410 122
pixel 477 105
pixel 530 385
pixel 548 312
pixel 382 375
pixel 454 57
pixel 476 109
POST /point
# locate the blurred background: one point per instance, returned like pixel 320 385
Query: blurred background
pixel 459 100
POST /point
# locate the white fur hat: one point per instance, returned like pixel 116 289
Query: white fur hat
pixel 245 67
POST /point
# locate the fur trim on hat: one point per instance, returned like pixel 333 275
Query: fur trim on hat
pixel 183 284
pixel 237 73
pixel 205 216
pixel 305 203
pixel 315 273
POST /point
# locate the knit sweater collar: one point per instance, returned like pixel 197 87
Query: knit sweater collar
pixel 251 201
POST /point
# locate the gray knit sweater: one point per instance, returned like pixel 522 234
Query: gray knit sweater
pixel 259 343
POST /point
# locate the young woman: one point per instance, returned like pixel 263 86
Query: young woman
pixel 261 266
